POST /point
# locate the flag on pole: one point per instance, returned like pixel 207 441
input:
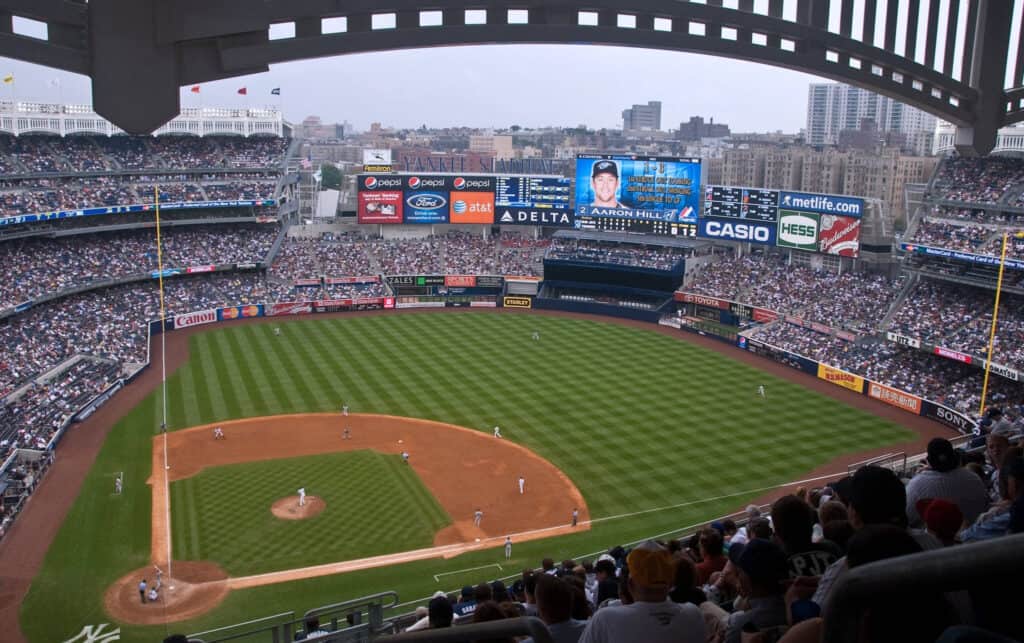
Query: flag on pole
pixel 8 79
pixel 318 176
pixel 306 164
pixel 275 91
pixel 194 89
pixel 243 91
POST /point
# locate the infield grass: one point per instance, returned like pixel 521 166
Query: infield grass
pixel 638 420
pixel 223 514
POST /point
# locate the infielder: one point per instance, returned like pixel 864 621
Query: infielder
pixel 405 457
pixel 522 484
pixel 346 434
pixel 344 410
pixel 508 547
pixel 302 496
pixel 761 392
pixel 575 516
pixel 218 433
pixel 497 431
pixel 478 517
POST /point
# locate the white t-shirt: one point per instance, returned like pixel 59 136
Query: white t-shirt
pixel 666 622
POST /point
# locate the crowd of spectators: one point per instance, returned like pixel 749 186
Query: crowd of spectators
pixel 37 266
pixel 955 236
pixel 625 254
pixel 771 574
pixel 977 180
pixel 846 300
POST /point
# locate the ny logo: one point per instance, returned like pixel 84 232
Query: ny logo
pixel 96 634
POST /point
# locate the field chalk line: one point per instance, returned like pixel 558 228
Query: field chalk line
pixel 468 569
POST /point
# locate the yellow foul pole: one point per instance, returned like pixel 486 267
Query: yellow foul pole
pixel 163 368
pixel 992 332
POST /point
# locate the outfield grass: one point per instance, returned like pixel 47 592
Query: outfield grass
pixel 638 420
pixel 223 514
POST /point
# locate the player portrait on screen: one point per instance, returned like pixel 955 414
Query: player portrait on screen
pixel 604 181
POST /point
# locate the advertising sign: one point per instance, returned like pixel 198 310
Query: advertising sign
pixel 948 416
pixel 638 187
pixel 841 378
pixel 196 318
pixel 903 340
pixel 238 312
pixel 191 270
pixel 839 236
pixel 798 230
pixel 734 230
pixel 822 203
pixel 894 397
pixel 425 207
pixel 953 355
pixel 379 206
pixel 985 260
pixel 547 216
pixel 701 300
pixel 1004 371
pixel 517 302
pixel 532 193
pixel 460 281
pixel 288 308
pixel 471 207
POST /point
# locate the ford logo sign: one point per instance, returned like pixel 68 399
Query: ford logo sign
pixel 427 201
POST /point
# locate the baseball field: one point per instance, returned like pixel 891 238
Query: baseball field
pixel 646 432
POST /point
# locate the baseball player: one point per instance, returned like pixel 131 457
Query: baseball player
pixel 508 547
pixel 522 484
pixel 405 457
pixel 302 496
pixel 218 433
pixel 118 484
pixel 344 410
pixel 159 577
pixel 575 516
pixel 761 392
pixel 277 331
pixel 497 432
pixel 346 434
pixel 478 517
pixel 536 336
pixel 142 591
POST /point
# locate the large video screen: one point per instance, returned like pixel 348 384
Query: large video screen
pixel 664 189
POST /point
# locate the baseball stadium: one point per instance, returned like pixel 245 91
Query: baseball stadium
pixel 612 395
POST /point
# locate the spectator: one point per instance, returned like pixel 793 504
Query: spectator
pixel 439 612
pixel 763 567
pixel 554 604
pixel 652 617
pixel 488 610
pixel 945 478
pixel 996 446
pixel 794 524
pixel 712 558
pixel 997 521
pixel 942 518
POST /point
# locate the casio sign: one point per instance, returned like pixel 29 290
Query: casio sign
pixel 427 201
pixel 798 230
pixel 738 231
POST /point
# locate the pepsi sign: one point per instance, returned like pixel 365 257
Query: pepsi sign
pixel 372 182
pixel 426 207
pixel 733 230
pixel 474 183
pixel 425 182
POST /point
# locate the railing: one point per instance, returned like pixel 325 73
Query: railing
pixel 991 564
pixel 505 628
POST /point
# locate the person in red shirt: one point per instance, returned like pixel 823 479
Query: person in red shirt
pixel 712 558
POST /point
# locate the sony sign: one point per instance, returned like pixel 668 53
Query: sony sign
pixel 733 230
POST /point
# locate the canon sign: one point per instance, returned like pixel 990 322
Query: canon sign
pixel 197 318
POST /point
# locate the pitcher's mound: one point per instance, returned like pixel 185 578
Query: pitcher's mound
pixel 288 508
pixel 198 588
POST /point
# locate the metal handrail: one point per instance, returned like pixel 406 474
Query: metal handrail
pixel 947 569
pixel 522 626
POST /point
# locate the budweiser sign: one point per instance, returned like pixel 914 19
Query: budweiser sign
pixel 839 236
pixel 197 318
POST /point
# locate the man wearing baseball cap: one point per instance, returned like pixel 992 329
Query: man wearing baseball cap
pixel 651 617
pixel 604 181
pixel 945 478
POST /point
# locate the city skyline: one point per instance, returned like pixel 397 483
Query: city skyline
pixel 544 88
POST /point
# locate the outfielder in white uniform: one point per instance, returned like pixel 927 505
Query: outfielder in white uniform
pixel 118 484
pixel 478 517
pixel 536 336
pixel 497 432
pixel 522 484
pixel 761 392
pixel 302 496
pixel 508 547
pixel 344 410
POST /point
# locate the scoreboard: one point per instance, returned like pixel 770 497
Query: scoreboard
pixel 532 192
pixel 637 226
pixel 741 203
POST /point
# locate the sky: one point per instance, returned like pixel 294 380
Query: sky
pixel 490 86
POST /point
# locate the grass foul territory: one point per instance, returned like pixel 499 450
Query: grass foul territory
pixel 638 421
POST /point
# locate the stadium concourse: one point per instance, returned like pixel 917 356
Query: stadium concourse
pixel 90 292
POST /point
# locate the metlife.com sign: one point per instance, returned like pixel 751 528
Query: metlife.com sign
pixel 822 203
